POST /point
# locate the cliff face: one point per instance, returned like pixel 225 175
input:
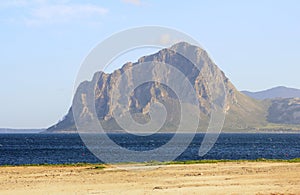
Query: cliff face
pixel 241 111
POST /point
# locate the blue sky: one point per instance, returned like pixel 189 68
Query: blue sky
pixel 256 44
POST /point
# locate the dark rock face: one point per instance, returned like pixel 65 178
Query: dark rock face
pixel 242 112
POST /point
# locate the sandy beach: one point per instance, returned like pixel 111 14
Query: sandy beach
pixel 211 178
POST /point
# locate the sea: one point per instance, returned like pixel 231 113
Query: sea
pixel 21 149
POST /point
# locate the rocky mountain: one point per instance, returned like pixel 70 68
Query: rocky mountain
pixel 284 111
pixel 284 105
pixel 242 112
pixel 276 92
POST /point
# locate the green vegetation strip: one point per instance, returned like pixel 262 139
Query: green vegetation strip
pixel 295 160
pixel 152 163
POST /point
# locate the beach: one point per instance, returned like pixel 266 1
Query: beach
pixel 204 178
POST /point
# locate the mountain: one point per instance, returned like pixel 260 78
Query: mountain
pixel 284 105
pixel 276 92
pixel 284 111
pixel 242 112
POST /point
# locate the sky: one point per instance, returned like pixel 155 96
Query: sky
pixel 43 43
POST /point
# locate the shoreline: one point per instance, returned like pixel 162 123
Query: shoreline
pixel 151 163
pixel 268 131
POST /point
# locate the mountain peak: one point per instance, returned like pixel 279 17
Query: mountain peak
pixel 182 44
pixel 186 48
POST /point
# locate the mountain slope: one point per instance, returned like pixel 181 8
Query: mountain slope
pixel 277 92
pixel 242 112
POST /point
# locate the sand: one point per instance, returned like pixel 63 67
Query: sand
pixel 216 178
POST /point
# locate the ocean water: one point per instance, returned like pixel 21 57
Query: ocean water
pixel 17 149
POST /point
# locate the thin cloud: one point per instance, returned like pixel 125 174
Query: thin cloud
pixel 13 3
pixel 52 12
pixel 65 13
pixel 133 2
pixel 20 3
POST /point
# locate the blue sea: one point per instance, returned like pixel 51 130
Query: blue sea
pixel 18 149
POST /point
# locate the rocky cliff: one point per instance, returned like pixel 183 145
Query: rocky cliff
pixel 242 112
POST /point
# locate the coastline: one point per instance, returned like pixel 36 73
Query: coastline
pixel 268 131
pixel 154 163
pixel 215 177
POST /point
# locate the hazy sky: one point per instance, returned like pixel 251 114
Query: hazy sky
pixel 256 44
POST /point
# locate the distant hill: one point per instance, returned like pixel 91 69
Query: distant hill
pixel 277 92
pixel 6 130
pixel 284 111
